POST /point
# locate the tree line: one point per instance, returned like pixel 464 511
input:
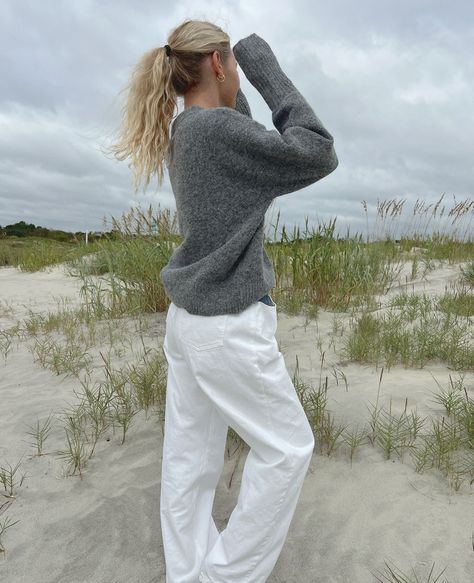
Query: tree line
pixel 23 229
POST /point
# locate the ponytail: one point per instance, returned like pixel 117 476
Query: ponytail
pixel 146 117
pixel 156 82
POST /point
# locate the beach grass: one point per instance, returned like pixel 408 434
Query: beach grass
pixel 354 277
pixel 468 273
pixel 393 574
pixel 38 253
pixel 5 523
pixel 412 337
pixel 319 270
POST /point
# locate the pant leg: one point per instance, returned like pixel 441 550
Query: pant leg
pixel 236 364
pixel 193 457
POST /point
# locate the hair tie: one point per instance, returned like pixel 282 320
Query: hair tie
pixel 168 50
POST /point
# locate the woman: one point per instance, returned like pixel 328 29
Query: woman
pixel 224 366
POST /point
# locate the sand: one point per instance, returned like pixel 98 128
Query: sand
pixel 105 527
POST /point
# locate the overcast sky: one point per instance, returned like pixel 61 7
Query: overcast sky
pixel 393 82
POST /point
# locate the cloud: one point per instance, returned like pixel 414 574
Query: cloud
pixel 392 82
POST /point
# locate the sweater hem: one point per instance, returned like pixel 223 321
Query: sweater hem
pixel 203 309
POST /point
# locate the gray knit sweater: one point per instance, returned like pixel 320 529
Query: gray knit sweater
pixel 225 169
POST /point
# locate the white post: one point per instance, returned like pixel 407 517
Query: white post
pixel 87 236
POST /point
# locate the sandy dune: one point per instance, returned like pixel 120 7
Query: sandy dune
pixel 105 528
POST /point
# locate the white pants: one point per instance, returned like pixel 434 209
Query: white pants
pixel 225 371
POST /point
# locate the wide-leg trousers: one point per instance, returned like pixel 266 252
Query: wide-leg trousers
pixel 227 370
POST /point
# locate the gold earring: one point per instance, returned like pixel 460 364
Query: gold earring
pixel 219 77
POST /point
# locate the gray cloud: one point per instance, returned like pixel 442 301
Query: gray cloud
pixel 392 82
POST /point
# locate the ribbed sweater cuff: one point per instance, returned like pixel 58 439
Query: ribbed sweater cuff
pixel 261 67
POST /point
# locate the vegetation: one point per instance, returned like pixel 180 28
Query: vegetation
pixel 21 229
pixel 350 276
pixel 413 331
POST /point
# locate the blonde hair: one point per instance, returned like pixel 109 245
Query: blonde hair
pixel 156 82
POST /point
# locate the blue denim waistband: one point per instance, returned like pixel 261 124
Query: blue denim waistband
pixel 266 299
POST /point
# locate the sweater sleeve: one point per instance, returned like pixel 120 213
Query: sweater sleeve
pixel 298 153
pixel 241 103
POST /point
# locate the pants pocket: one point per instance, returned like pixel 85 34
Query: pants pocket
pixel 203 332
